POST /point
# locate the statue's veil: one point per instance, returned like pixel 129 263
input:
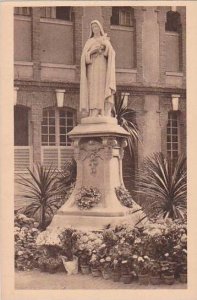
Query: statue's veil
pixel 100 26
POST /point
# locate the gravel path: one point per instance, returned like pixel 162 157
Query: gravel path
pixel 34 280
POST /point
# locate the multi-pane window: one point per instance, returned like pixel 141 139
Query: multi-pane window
pixel 173 21
pixel 59 12
pixel 56 124
pixel 24 11
pixel 122 16
pixel 173 136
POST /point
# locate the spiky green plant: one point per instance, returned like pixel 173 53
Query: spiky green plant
pixel 165 186
pixel 41 189
pixel 125 117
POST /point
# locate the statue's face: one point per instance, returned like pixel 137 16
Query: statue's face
pixel 96 29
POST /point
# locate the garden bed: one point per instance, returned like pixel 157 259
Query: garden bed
pixel 155 254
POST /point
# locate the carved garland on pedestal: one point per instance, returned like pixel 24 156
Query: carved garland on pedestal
pixel 87 198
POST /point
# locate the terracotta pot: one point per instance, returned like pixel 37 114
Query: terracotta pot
pixel 85 269
pixel 168 279
pixel 95 272
pixel 106 274
pixel 116 276
pixel 143 279
pixel 126 278
pixel 155 280
pixel 183 278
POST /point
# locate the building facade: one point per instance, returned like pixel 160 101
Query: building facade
pixel 150 46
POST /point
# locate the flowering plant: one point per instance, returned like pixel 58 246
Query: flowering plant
pixel 49 237
pixel 142 265
pixel 167 268
pixel 155 268
pixel 87 242
pixel 87 198
pixel 124 196
pixel 49 264
pixel 105 263
pixel 94 261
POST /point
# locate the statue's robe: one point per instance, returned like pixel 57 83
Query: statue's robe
pixel 98 83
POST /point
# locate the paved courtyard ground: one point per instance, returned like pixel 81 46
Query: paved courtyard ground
pixel 34 280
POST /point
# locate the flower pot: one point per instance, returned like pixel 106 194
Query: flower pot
pixel 85 269
pixel 155 280
pixel 168 279
pixel 183 278
pixel 42 268
pixel 70 266
pixel 95 272
pixel 143 279
pixel 106 274
pixel 116 276
pixel 126 278
pixel 52 270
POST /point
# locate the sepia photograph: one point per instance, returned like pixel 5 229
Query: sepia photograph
pixel 100 147
pixel 99 142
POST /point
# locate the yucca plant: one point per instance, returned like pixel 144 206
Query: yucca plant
pixel 126 119
pixel 41 189
pixel 67 175
pixel 165 186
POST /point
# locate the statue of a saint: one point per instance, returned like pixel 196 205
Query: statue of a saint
pixel 98 83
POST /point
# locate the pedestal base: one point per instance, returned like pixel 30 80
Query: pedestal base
pixel 98 150
pixel 83 222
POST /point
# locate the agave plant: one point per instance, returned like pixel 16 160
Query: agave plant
pixel 41 189
pixel 165 185
pixel 125 117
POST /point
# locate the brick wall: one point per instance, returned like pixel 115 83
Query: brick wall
pixel 37 94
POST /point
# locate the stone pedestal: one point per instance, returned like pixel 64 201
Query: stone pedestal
pixel 98 150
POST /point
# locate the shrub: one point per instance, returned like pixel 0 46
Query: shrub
pixel 165 186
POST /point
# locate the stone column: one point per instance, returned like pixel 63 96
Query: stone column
pixel 36 127
pixel 152 128
pixel 36 43
pixel 162 44
pixel 139 18
pixel 150 46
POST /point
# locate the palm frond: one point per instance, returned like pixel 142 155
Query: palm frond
pixel 125 117
pixel 165 185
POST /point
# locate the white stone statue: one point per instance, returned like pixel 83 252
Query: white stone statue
pixel 97 83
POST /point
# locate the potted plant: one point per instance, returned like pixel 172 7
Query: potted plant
pixel 183 273
pixel 70 261
pixel 116 273
pixel 53 264
pixel 84 261
pixel 106 267
pixel 42 263
pixel 126 275
pixel 167 271
pixel 143 268
pixel 95 265
pixel 155 272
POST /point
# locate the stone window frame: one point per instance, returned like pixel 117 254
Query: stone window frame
pixel 122 16
pixel 52 126
pixel 50 12
pixel 173 21
pixel 170 29
pixel 23 11
pixel 173 136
